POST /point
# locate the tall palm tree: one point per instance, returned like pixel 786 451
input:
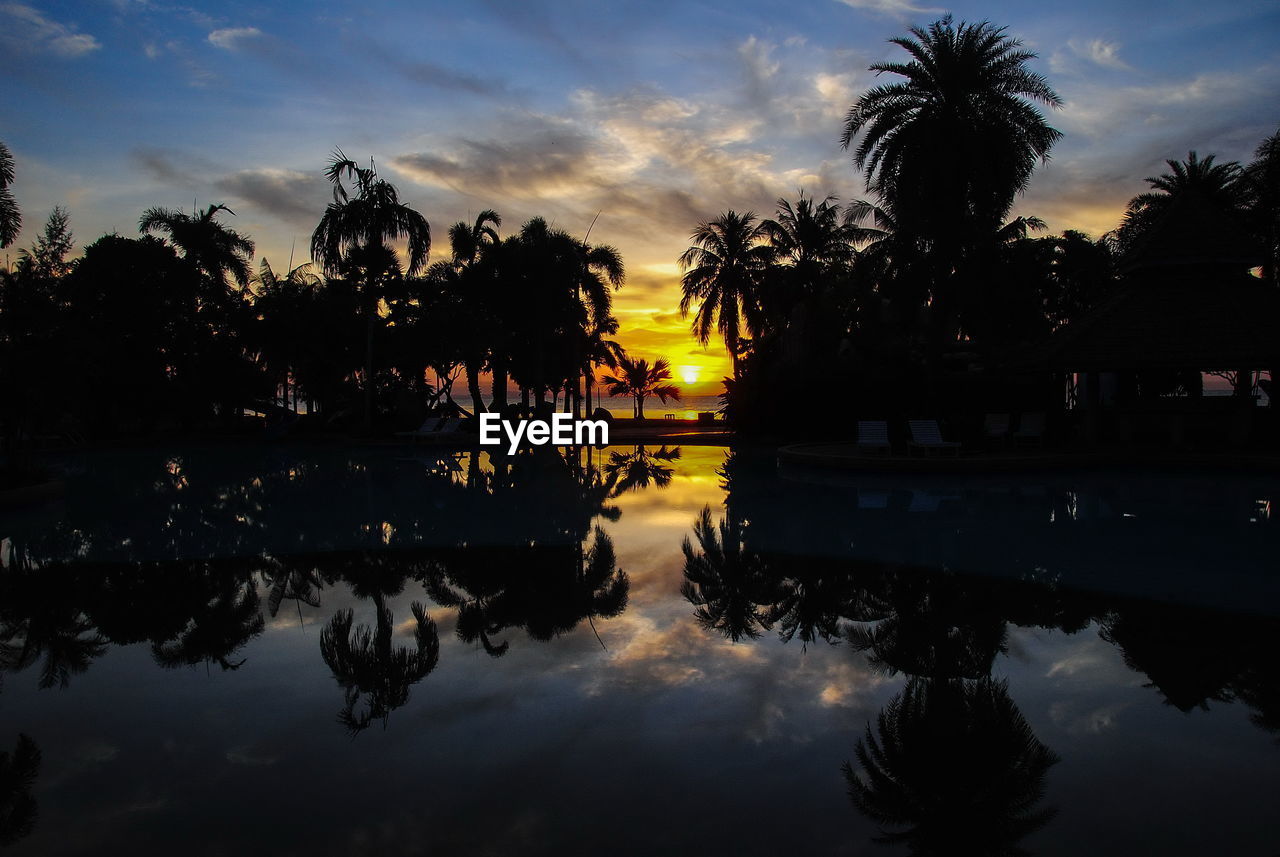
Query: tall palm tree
pixel 360 222
pixel 214 249
pixel 639 380
pixel 724 274
pixel 956 140
pixel 555 287
pixel 467 243
pixel 10 216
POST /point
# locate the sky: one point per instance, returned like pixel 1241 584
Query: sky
pixel 654 115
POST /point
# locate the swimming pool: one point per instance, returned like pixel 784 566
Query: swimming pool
pixel 635 650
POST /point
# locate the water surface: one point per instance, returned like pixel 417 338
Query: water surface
pixel 636 650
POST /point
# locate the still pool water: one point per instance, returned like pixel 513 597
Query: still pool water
pixel 634 651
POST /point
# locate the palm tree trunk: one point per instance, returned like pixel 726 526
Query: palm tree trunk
pixel 499 402
pixel 473 386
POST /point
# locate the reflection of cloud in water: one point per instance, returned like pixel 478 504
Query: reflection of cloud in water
pixel 1066 715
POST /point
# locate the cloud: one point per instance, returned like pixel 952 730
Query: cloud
pixel 29 30
pixel 1117 136
pixel 1099 52
pixel 290 195
pixel 233 38
pixel 897 8
pixel 1106 54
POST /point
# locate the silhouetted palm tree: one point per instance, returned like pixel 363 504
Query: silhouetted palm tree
pixel 811 238
pixel 359 223
pixel 18 809
pixel 728 584
pixel 467 242
pixel 10 216
pixel 213 248
pixel 284 336
pixel 724 275
pixel 1262 198
pixel 218 629
pixel 632 471
pixel 959 137
pixel 639 380
pixel 366 665
pixel 600 351
pixel 1221 187
pixel 952 768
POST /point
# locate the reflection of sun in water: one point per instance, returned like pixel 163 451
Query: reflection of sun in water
pixel 689 374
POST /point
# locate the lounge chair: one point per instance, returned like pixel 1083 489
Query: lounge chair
pixel 926 435
pixel 1030 430
pixel 873 436
pixel 995 427
pixel 428 427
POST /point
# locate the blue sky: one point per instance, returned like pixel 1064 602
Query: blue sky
pixel 656 114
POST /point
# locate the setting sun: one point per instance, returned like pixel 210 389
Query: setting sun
pixel 689 374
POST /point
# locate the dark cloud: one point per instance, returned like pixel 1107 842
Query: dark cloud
pixel 289 195
pixel 440 77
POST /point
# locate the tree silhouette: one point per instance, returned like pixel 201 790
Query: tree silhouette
pixel 729 585
pixel 18 809
pixel 640 468
pixel 1199 182
pixel 218 629
pixel 214 249
pixel 47 259
pixel 1261 186
pixel 812 238
pixel 959 137
pixel 952 767
pixel 639 380
pixel 353 233
pixel 724 274
pixel 468 242
pixel 10 216
pixel 368 667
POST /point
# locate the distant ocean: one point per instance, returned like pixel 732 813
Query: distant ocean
pixel 687 408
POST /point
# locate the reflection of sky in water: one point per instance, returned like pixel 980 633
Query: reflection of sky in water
pixel 660 737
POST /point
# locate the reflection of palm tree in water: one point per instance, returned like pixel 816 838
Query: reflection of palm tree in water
pixel 936 626
pixel 729 585
pixel 952 767
pixel 632 471
pixel 38 621
pixel 18 772
pixel 365 663
pixel 216 630
pixel 545 590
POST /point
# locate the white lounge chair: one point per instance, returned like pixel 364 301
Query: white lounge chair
pixel 873 436
pixel 926 435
